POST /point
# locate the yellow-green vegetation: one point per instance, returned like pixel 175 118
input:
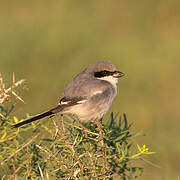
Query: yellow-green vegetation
pixel 97 150
pixel 48 42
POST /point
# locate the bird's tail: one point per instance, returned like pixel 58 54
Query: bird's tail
pixel 39 116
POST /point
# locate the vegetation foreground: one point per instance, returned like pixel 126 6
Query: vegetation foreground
pixel 65 148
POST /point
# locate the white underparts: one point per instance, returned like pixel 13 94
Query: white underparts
pixel 110 79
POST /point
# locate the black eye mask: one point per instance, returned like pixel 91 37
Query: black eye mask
pixel 104 73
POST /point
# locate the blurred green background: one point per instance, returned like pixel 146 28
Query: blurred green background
pixel 49 42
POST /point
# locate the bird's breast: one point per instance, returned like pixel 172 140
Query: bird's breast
pixel 95 106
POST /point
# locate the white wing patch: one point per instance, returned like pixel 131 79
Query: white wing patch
pixel 82 101
pixel 64 102
pixel 97 92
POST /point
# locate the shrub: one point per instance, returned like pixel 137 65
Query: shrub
pixel 66 149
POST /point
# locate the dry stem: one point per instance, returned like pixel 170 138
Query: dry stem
pixel 4 92
pixel 97 122
pixel 18 150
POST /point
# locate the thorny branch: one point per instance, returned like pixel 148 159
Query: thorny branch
pixel 4 92
pixel 18 150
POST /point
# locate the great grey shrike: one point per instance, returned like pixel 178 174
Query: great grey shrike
pixel 88 96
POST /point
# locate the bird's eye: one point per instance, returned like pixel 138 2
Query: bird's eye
pixel 100 74
pixel 105 73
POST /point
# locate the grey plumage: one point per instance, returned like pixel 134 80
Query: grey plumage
pixel 88 96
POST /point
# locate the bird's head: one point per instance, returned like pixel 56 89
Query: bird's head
pixel 104 70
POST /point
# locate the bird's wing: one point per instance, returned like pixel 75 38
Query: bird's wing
pixel 84 85
pixel 64 102
pixel 71 101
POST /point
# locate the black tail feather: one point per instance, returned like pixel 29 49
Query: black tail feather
pixel 53 111
pixel 35 118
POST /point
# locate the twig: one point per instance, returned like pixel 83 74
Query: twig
pixel 29 142
pixel 20 166
pixel 18 83
pixel 103 148
pixel 93 165
pixel 2 115
pixel 56 129
pixel 18 97
pixel 28 169
pixel 4 92
pixel 41 173
pixel 51 155
pixel 62 123
pixel 85 129
pixel 68 145
pixel 2 83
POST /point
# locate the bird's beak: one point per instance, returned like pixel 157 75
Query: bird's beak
pixel 118 74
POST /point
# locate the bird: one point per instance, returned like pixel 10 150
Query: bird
pixel 88 96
